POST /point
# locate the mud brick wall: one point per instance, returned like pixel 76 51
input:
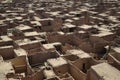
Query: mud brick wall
pixel 7 53
pixel 76 73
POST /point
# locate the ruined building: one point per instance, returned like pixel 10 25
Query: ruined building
pixel 59 39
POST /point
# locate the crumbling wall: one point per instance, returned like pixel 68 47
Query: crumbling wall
pixel 114 59
pixel 7 52
pixel 41 57
pixel 30 46
pixel 35 76
pixel 20 64
pixel 61 69
pixel 76 73
pixel 91 75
